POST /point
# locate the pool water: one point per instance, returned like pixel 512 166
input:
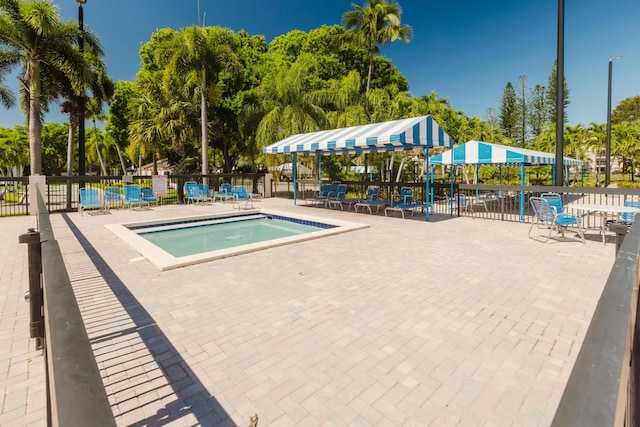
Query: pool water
pixel 189 239
pixel 170 243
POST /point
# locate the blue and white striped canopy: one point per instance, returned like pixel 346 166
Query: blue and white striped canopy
pixel 483 153
pixel 405 134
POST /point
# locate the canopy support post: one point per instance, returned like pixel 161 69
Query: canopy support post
pixel 427 177
pixel 319 172
pixel 295 178
pixel 451 173
pixel 522 192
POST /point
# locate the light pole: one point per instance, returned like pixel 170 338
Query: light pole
pixel 81 104
pixel 559 158
pixel 607 154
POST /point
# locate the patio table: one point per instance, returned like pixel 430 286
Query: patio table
pixel 602 211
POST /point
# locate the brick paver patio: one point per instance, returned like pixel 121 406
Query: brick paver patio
pixel 456 321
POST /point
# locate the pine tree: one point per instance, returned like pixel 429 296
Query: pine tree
pixel 508 112
pixel 538 114
pixel 551 96
pixel 522 113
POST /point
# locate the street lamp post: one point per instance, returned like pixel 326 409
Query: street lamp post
pixel 607 154
pixel 559 158
pixel 81 106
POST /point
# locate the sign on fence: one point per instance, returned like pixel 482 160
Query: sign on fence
pixel 159 185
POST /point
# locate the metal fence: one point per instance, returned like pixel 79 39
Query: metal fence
pixel 496 202
pixel 62 193
pixel 14 196
pixel 74 390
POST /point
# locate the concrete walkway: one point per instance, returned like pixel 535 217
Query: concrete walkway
pixel 456 321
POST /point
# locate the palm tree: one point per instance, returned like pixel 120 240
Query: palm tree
pixel 96 81
pixel 373 26
pixel 198 56
pixel 292 106
pixel 7 98
pixel 596 140
pixel 33 34
pixel 626 144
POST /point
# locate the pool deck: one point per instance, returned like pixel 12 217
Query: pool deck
pixel 451 322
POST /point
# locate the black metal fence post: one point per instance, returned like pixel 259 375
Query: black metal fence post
pixel 34 295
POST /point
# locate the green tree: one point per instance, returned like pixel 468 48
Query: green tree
pixel 7 98
pixel 197 58
pixel 290 102
pixel 33 34
pixel 54 148
pixel 509 112
pixel 522 113
pixel 119 117
pixel 14 150
pixel 595 140
pixel 373 26
pixel 538 114
pixel 625 144
pixel 552 90
pixel 628 110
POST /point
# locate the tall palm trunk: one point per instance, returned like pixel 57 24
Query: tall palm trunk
pixel 203 124
pixel 122 165
pixel 370 73
pixel 103 165
pixel 73 122
pixel 35 126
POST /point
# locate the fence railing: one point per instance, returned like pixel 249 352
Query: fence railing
pixel 62 193
pixel 14 195
pixel 497 202
pixel 75 392
pixel 602 390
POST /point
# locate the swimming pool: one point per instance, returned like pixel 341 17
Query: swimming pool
pixel 177 242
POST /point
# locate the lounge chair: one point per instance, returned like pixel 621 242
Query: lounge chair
pixel 194 194
pixel 340 198
pixel 133 196
pixel 112 197
pixel 224 194
pixel 89 199
pixel 372 200
pixel 547 217
pixel 321 196
pixel 147 195
pixel 404 204
pixel 240 195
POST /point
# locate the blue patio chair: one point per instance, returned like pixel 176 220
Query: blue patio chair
pixel 554 200
pixel 133 196
pixel 224 194
pixel 372 200
pixel 546 216
pixel 240 195
pixel 193 193
pixel 89 199
pixel 112 197
pixel 147 195
pixel 321 196
pixel 340 198
pixel 405 203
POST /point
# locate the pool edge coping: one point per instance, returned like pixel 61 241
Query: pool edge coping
pixel 165 261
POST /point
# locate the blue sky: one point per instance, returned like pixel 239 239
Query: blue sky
pixel 465 51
